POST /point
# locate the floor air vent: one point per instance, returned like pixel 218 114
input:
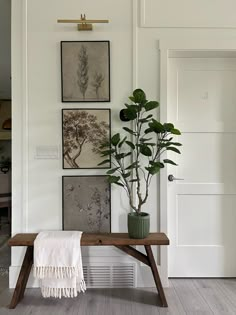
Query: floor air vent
pixel 110 275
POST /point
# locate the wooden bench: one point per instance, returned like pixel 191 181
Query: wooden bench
pixel 119 240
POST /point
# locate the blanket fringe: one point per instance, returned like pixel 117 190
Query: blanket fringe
pixel 63 292
pixel 56 272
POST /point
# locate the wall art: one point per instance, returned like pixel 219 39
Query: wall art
pixel 86 204
pixel 85 71
pixel 83 132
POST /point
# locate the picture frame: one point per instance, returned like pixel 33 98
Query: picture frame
pixel 85 71
pixel 86 203
pixel 83 132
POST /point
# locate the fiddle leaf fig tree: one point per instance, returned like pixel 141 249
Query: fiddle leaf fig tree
pixel 145 143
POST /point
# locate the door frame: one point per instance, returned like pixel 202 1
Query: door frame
pixel 181 45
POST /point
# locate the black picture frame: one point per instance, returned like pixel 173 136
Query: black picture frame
pixel 82 137
pixel 86 203
pixel 85 71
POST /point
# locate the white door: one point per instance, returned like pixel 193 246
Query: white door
pixel 202 207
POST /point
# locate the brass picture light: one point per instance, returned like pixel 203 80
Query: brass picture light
pixel 83 23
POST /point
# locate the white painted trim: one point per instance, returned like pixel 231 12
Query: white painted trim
pixel 163 174
pixel 144 22
pixel 187 44
pixel 25 164
pixel 142 13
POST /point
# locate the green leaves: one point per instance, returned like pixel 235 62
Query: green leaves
pixel 156 126
pixel 115 180
pixel 169 162
pixel 173 149
pixel 175 132
pixel 133 165
pixel 145 141
pixel 104 162
pixel 139 97
pixel 151 105
pixel 107 152
pixel 129 130
pixel 130 144
pixel 145 150
pixel 112 171
pixel 122 142
pixel 115 139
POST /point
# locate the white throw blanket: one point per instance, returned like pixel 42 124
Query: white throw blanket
pixel 58 263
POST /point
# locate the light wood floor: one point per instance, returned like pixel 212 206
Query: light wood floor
pixel 185 296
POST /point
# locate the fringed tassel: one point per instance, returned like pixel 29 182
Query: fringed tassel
pixel 55 272
pixel 82 286
pixel 59 292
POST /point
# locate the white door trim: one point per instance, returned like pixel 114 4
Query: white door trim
pixel 165 47
pixel 19 109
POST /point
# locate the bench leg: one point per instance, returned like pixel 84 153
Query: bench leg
pixel 23 278
pixel 156 275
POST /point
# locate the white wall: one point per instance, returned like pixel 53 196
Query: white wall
pixel 37 202
pixel 5 49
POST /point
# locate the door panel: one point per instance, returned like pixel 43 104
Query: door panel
pixel 202 208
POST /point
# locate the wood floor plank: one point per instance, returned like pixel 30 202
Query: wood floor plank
pixel 174 305
pixel 184 296
pixel 217 300
pixel 190 298
pixel 228 286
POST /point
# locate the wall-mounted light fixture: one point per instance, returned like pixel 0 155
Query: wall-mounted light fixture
pixel 83 23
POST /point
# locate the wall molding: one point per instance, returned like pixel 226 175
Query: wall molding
pixel 199 14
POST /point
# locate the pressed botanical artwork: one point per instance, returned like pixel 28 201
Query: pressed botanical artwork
pixel 84 131
pixel 85 71
pixel 86 204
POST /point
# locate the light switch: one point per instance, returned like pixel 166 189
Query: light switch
pixel 47 152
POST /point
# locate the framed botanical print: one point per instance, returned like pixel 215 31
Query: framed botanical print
pixel 83 132
pixel 85 71
pixel 86 204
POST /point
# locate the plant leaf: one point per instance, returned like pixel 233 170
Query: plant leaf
pixel 139 96
pixel 129 130
pixel 130 113
pixel 121 143
pixel 127 175
pixel 119 156
pixel 169 162
pixel 133 180
pixel 115 139
pixel 104 162
pixel 153 169
pixel 127 154
pixel 175 131
pixel 173 149
pixel 119 184
pixel 148 130
pixel 168 127
pixel 113 179
pixel 157 164
pixel 112 170
pixel 130 144
pixel 156 126
pixel 176 143
pixel 145 150
pixel 133 165
pixel 144 139
pixel 151 105
pixel 107 152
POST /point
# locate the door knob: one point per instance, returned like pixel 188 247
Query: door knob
pixel 171 178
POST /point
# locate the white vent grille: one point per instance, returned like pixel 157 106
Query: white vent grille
pixel 110 275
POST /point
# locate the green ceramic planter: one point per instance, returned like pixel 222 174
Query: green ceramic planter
pixel 138 225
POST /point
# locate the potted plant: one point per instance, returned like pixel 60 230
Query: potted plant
pixel 136 157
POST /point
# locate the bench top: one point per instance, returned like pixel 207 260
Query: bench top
pixel 90 239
